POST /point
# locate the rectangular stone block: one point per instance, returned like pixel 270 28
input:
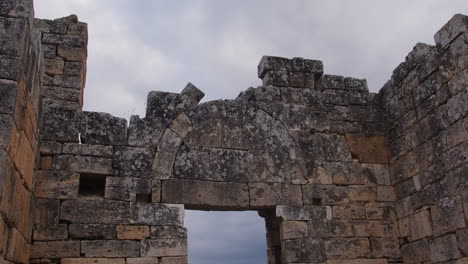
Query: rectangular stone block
pixel 369 149
pixel 444 248
pixel 303 213
pixel 123 189
pixel 54 66
pixel 169 231
pixel 303 250
pixel 83 164
pixel 272 194
pixel 132 232
pixel 132 158
pixel 55 249
pixel 156 191
pixel 61 123
pixel 201 194
pixel 157 214
pixel 447 216
pixel 347 248
pixel 57 185
pixel 93 260
pixel 420 225
pixel 88 150
pixel 9 92
pixel 457 25
pixel 95 212
pixel 103 129
pixel 92 231
pixel 293 229
pixel 415 252
pixel 71 54
pixel 321 194
pixel 385 248
pixel 349 212
pixel 362 193
pixel 49 233
pixel 145 132
pixel 110 248
pixel 164 247
pixel 386 194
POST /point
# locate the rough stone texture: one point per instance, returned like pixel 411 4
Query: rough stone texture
pixel 340 175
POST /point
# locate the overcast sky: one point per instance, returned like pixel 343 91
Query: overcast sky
pixel 139 46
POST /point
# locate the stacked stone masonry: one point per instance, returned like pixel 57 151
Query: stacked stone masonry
pixel 339 174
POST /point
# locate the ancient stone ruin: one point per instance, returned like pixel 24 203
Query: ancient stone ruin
pixel 340 175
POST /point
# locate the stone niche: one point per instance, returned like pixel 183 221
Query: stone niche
pixel 339 174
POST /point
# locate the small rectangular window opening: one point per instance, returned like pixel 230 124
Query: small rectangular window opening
pixel 92 185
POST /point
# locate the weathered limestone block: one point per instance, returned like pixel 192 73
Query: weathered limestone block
pixel 447 216
pixel 71 53
pixel 189 164
pixel 73 68
pixel 385 248
pixel 55 232
pixel 12 42
pixel 50 148
pixel 54 66
pixel 157 214
pixel 191 96
pixel 87 150
pixel 271 194
pixel 132 158
pixel 110 248
pixel 293 229
pixel 164 105
pixel 103 129
pixel 356 84
pixel 92 231
pixel 457 25
pixel 303 250
pixel 362 193
pixel 170 231
pixel 370 149
pixel 269 63
pixel 337 148
pixel 92 260
pixel 83 164
pixel 163 163
pixel 170 141
pixel 123 189
pixel 318 194
pixel 61 124
pixel 55 249
pixel 420 224
pixel 164 247
pixel 346 173
pixel 376 173
pixel 444 248
pixel 349 212
pixel 57 185
pixel 55 93
pixel 95 212
pixel 347 248
pixel 200 194
pixel 66 40
pixel 145 132
pixel 304 213
pixel 69 82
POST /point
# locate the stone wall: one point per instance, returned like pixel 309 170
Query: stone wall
pixel 340 175
pixel 425 106
pixel 20 74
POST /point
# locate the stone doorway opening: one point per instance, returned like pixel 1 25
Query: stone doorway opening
pixel 231 237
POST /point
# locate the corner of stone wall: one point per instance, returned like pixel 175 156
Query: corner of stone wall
pixel 425 108
pixel 21 67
